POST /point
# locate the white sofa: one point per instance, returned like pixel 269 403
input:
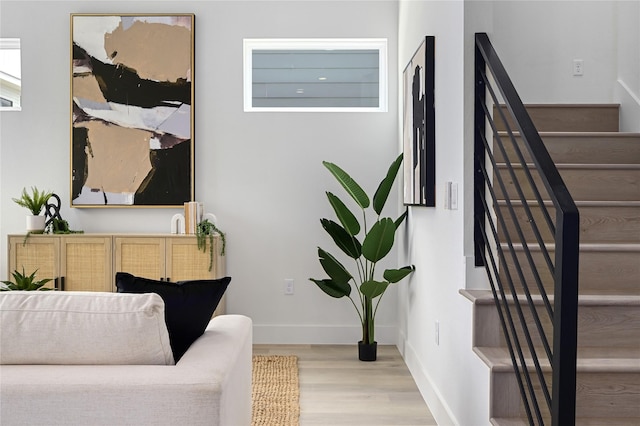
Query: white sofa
pixel 209 385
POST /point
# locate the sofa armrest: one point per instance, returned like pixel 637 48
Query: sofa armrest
pixel 210 385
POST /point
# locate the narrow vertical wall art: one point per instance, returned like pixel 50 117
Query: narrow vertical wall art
pixel 132 110
pixel 419 132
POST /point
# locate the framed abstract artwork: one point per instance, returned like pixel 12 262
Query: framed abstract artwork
pixel 419 132
pixel 132 110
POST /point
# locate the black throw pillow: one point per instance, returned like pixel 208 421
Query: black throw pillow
pixel 188 305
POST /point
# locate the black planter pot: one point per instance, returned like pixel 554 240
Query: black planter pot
pixel 367 351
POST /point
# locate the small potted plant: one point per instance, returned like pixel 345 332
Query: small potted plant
pixel 35 202
pixel 206 230
pixel 24 282
pixel 378 239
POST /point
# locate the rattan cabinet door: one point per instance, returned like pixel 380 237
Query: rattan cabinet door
pixel 186 262
pixel 140 256
pixel 39 253
pixel 86 263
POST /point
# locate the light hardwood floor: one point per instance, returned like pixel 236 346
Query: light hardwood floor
pixel 338 390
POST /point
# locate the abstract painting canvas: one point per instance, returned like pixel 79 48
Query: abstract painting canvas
pixel 132 110
pixel 419 134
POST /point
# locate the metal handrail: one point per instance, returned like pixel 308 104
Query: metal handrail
pixel 495 245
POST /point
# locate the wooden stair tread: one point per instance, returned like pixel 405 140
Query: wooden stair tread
pixel 580 421
pixel 590 360
pixel 614 247
pixel 578 134
pixel 579 203
pixel 579 166
pixel 483 297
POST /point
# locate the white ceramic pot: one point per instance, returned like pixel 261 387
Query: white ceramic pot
pixel 35 223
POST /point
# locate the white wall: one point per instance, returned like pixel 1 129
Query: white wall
pixel 538 41
pixel 451 378
pixel 260 173
pixel 628 85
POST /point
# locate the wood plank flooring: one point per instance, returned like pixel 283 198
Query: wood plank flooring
pixel 338 390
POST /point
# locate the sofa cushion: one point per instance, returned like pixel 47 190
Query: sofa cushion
pixel 56 327
pixel 189 305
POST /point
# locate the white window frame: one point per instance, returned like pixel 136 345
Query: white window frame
pixel 11 83
pixel 379 44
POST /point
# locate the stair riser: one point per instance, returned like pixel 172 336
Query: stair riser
pixel 584 184
pixel 598 326
pixel 598 395
pixel 569 118
pixel 587 149
pixel 597 224
pixel 600 272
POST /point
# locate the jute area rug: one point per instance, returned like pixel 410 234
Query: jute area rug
pixel 275 391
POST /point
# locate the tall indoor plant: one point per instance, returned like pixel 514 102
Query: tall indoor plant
pixel 378 241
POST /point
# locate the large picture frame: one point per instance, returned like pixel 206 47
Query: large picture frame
pixel 419 132
pixel 132 110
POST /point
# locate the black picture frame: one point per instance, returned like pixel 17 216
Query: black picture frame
pixel 419 131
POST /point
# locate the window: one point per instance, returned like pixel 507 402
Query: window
pixel 315 74
pixel 10 82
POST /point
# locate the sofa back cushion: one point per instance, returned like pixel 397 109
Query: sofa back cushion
pixel 55 327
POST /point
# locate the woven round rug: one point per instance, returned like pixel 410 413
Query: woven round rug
pixel 275 391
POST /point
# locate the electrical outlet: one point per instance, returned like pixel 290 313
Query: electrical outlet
pixel 578 67
pixel 288 286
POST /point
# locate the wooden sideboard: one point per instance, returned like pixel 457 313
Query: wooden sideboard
pixel 89 262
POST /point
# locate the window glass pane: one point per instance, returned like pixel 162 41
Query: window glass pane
pixel 10 73
pixel 325 76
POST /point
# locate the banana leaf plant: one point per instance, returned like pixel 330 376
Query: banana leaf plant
pixel 377 241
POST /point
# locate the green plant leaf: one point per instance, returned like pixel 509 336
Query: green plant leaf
pixel 347 243
pixel 347 219
pixel 332 288
pixel 395 275
pixel 373 289
pixel 34 201
pixel 382 193
pixel 379 240
pixel 401 219
pixel 24 282
pixel 336 271
pixel 350 185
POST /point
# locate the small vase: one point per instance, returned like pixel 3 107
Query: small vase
pixel 367 351
pixel 35 223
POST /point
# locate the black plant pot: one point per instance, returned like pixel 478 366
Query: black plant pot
pixel 367 351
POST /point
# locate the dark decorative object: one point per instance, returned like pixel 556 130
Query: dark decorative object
pixel 419 127
pixel 54 223
pixel 132 110
pixel 52 210
pixel 367 351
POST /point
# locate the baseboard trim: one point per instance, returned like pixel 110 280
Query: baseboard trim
pixel 431 395
pixel 286 334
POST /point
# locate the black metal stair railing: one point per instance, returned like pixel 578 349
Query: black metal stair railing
pixel 539 330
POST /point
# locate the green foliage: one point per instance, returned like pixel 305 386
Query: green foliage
pixel 377 243
pixel 34 201
pixel 24 282
pixel 61 226
pixel 206 229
